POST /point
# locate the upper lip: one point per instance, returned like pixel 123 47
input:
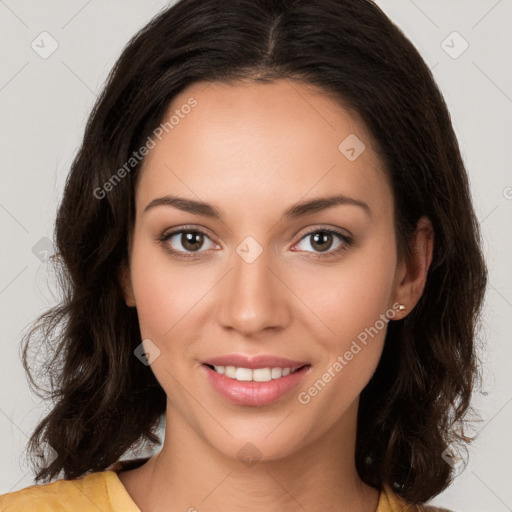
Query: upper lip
pixel 252 362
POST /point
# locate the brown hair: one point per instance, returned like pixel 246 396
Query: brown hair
pixel 416 404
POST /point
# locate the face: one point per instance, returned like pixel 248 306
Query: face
pixel 255 277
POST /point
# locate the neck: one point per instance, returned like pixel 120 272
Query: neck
pixel 190 474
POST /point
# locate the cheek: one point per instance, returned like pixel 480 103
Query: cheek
pixel 348 298
pixel 353 305
pixel 347 359
pixel 171 302
pixel 160 298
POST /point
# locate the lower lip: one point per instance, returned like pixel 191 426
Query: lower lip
pixel 254 393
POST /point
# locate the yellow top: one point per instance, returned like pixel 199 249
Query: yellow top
pixel 104 491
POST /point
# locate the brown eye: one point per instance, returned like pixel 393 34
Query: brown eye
pixel 185 242
pixel 323 242
pixel 191 240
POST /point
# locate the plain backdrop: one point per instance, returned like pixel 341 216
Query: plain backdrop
pixel 44 103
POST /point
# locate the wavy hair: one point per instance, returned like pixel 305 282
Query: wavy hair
pixel 104 401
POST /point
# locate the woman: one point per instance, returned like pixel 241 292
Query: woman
pixel 267 240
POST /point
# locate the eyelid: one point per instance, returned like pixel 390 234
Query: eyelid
pixel 325 227
pixel 186 227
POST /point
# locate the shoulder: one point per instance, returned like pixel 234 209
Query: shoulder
pixel 85 494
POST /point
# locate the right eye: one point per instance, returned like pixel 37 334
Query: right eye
pixel 183 243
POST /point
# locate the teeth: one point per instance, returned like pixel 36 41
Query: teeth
pixel 230 371
pixel 257 375
pixel 276 373
pixel 262 374
pixel 243 374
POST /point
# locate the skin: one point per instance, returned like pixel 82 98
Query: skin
pixel 253 150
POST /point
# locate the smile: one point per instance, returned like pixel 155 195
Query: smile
pixel 255 374
pixel 254 380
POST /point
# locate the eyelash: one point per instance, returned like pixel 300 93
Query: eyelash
pixel 347 242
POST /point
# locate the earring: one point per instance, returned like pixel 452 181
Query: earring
pixel 401 307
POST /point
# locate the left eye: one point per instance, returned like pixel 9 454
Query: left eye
pixel 322 240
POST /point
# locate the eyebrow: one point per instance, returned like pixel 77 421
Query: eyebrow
pixel 295 211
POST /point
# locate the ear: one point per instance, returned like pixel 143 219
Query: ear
pixel 125 282
pixel 411 275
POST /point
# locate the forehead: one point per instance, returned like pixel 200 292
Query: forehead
pixel 261 144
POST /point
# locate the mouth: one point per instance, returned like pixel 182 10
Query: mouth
pixel 265 374
pixel 255 381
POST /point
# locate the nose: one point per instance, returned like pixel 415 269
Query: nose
pixel 254 297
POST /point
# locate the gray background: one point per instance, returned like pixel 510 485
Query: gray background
pixel 45 102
